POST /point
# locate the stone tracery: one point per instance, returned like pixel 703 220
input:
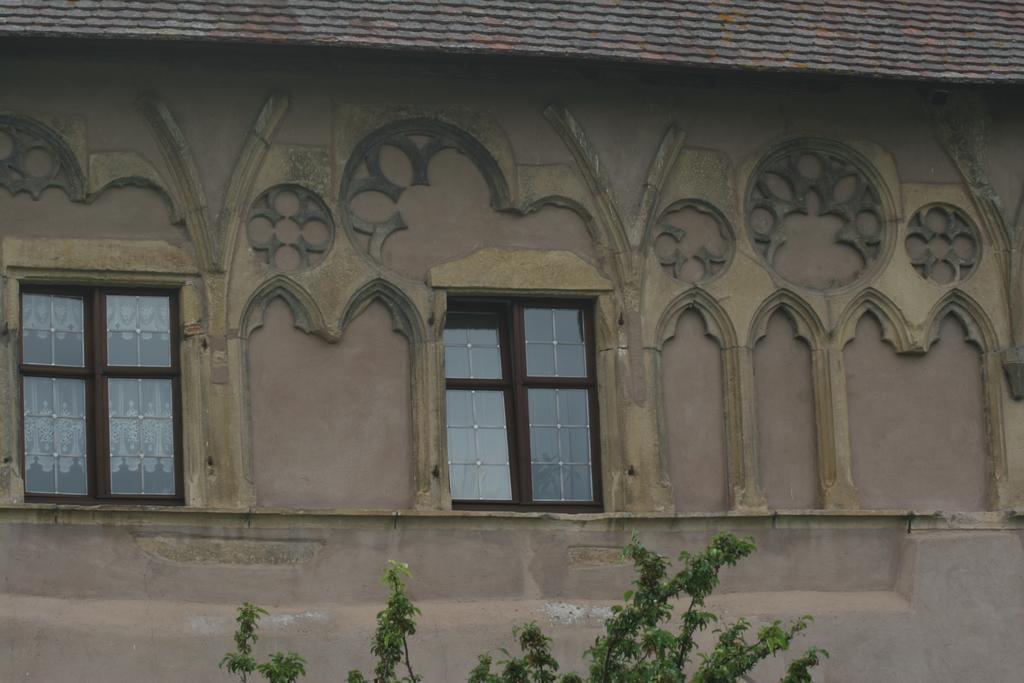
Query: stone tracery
pixel 419 141
pixel 693 241
pixel 942 243
pixel 813 187
pixel 292 226
pixel 34 158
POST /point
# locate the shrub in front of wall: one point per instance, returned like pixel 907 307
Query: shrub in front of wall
pixel 643 641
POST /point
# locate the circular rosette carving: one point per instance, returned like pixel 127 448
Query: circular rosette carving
pixel 815 217
pixel 943 244
pixel 34 158
pixel 291 226
pixel 693 241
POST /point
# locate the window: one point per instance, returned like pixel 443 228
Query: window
pixel 521 405
pixel 100 395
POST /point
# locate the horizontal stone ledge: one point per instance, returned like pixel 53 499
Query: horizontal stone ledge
pixel 172 618
pixel 133 515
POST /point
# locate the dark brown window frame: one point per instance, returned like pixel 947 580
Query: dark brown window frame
pixel 95 373
pixel 515 383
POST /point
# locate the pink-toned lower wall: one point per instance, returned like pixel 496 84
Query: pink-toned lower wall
pixel 785 417
pixel 917 425
pixel 691 379
pixel 92 596
pixel 330 422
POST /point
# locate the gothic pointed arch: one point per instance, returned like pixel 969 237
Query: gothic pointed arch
pixel 806 322
pixel 34 157
pixel 895 328
pixel 977 325
pixel 306 315
pixel 420 140
pixel 716 320
pixel 405 320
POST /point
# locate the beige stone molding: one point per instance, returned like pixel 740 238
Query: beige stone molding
pixel 519 270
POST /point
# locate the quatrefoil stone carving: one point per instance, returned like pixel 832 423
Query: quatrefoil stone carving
pixel 291 226
pixel 943 244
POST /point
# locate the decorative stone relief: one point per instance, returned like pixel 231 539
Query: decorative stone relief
pixel 418 141
pixel 815 217
pixel 943 244
pixel 34 158
pixel 291 226
pixel 693 241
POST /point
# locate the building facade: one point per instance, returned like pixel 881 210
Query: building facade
pixel 274 316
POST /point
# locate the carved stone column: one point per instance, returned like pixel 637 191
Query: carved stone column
pixel 741 429
pixel 833 430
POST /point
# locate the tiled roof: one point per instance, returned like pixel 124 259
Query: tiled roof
pixel 939 40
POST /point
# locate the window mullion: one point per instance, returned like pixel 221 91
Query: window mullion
pixel 98 442
pixel 519 402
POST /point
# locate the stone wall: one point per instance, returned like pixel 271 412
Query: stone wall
pixel 808 327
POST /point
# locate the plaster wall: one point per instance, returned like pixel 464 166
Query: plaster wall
pixel 886 602
pixel 918 443
pixel 312 395
pixel 785 417
pixel 129 213
pixel 452 218
pixel 693 401
pixel 330 421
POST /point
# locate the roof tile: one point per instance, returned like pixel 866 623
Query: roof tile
pixel 940 40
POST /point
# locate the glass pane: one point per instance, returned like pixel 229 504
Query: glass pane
pixel 456 361
pixel 483 331
pixel 560 444
pixel 568 325
pixel 572 407
pixel 495 483
pixel 139 330
pixel 141 425
pixel 492 446
pixel 457 336
pixel 574 444
pixel 478 445
pixel 71 475
pixel 471 346
pixel 37 347
pixel 465 485
pixel 489 408
pixel 54 435
pixel 53 330
pixel 68 349
pixel 542 406
pixel 544 444
pixel 39 475
pixel 547 484
pixel 158 476
pixel 460 408
pixel 539 325
pixel 554 342
pixel 461 445
pixel 570 360
pixel 576 483
pixel 540 359
pixel 485 362
pixel 126 475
